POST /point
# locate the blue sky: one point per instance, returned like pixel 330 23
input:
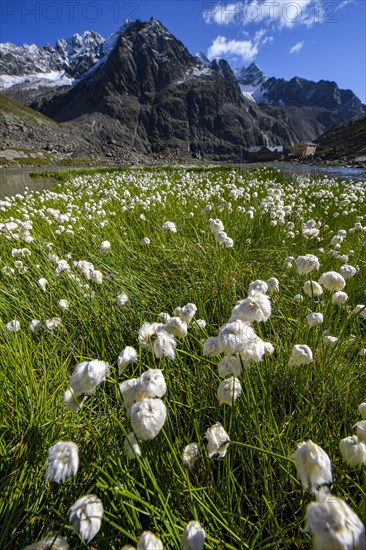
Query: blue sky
pixel 313 39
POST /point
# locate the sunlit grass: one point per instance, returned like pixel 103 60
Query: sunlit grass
pixel 250 498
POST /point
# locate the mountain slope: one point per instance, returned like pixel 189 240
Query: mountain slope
pixel 152 93
pixel 346 142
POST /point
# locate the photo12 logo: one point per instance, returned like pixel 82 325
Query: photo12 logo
pixel 287 13
pixel 27 12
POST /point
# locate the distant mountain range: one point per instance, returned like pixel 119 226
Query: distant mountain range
pixel 143 88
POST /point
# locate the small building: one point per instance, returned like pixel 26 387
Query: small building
pixel 303 149
pixel 260 153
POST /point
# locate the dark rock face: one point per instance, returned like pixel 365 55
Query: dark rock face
pixel 346 142
pixel 159 96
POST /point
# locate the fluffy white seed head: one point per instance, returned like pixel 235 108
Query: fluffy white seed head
pixel 150 384
pixel 334 525
pixel 12 326
pixel 186 313
pixel 257 307
pixel 217 441
pixel 128 391
pixel 85 515
pixel 301 355
pixel 230 365
pixel 63 461
pixel 258 286
pixel 42 283
pixel 339 298
pixel 63 304
pixel 313 465
pixel 353 451
pixel 88 375
pixel 312 288
pixel 193 537
pixel 362 410
pixel 333 281
pixel 72 402
pixel 35 325
pixel 51 542
pixel 229 390
pixel 315 319
pixel 127 356
pixel 131 446
pixel 169 227
pixel 306 264
pixel 235 336
pixel 148 541
pixel 164 345
pixel 105 247
pixel 123 300
pixel 190 454
pixel 211 346
pixel 177 327
pixel 148 418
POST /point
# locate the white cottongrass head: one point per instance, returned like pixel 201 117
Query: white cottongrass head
pixel 190 454
pixel 88 375
pixel 186 313
pixel 315 319
pixel 164 345
pixel 35 325
pixel 148 541
pixel 177 327
pixel 145 241
pixel 50 542
pixel 131 446
pixel 353 451
pixel 313 465
pixel 85 515
pixel 123 300
pixel 361 430
pixel 333 281
pixel 63 304
pixel 334 525
pixel 229 390
pixel 169 227
pixel 52 323
pixel 42 283
pixel 216 226
pixel 128 392
pixel 72 402
pixel 211 347
pixel 148 418
pixel 339 298
pixel 97 277
pixel 12 326
pixel 62 462
pixel 105 247
pixel 312 288
pixel 306 264
pixel 330 339
pixel 348 271
pixel 301 355
pixel 217 441
pixel 273 284
pixel 257 307
pixel 230 365
pixel 150 384
pixel 362 410
pixel 235 336
pixel 148 333
pixel 258 286
pixel 193 537
pixel 127 356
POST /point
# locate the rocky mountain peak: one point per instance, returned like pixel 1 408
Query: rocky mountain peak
pixel 251 75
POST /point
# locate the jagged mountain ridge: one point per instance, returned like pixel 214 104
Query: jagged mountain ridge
pixel 152 92
pixel 143 85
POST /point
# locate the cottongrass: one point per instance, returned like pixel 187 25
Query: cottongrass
pixel 164 453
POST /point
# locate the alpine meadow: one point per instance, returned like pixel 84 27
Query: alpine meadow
pixel 183 361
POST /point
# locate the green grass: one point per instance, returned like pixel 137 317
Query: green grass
pixel 249 499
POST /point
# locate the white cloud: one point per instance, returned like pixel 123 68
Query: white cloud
pixel 297 47
pixel 246 50
pixel 277 13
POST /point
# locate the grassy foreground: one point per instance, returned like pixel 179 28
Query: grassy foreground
pixel 251 497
